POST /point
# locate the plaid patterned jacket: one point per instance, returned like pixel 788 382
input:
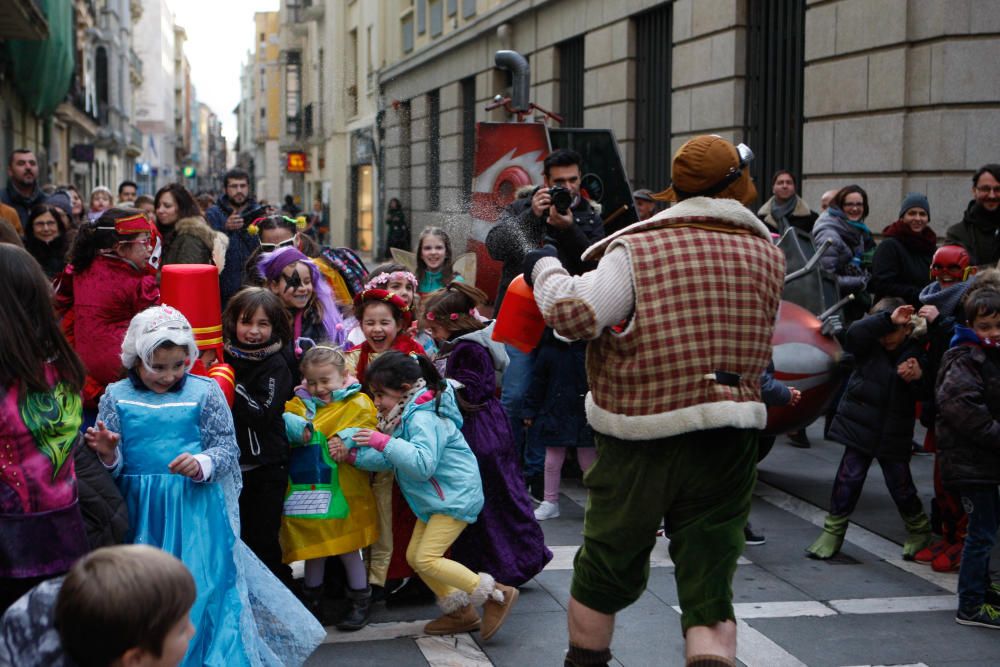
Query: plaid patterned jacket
pixel 707 290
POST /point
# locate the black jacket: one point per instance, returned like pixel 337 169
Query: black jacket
pixel 241 245
pixel 876 413
pixel 968 419
pixel 899 271
pixel 105 514
pixel 555 397
pixel 519 232
pixel 22 204
pixel 262 388
pixel 979 233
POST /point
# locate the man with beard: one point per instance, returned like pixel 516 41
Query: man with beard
pixel 979 230
pixel 22 191
pixel 227 216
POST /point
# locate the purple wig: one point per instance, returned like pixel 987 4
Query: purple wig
pixel 270 267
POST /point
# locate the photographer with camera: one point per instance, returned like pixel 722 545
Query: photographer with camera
pixel 231 214
pixel 554 214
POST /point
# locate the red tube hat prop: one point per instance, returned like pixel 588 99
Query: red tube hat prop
pixel 193 289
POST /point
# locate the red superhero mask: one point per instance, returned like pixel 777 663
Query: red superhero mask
pixel 950 264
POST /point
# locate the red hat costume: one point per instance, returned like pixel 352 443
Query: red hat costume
pixel 193 289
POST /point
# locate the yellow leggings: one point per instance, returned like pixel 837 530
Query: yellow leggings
pixel 426 556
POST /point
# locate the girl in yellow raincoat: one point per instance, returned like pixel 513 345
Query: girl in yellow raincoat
pixel 329 509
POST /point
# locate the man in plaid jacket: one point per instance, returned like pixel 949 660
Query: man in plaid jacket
pixel 675 396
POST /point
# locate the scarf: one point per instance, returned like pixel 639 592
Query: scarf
pixel 253 352
pixel 314 403
pixel 945 299
pixel 781 211
pixel 924 243
pixel 389 422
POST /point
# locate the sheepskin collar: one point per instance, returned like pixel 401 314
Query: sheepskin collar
pixel 727 212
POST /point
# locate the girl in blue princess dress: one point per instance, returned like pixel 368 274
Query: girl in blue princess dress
pixel 168 438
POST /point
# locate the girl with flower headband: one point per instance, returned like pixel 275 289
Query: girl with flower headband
pixel 384 319
pixel 297 282
pixel 257 331
pixel 105 284
pixel 168 439
pixel 397 279
pixel 505 540
pixel 329 510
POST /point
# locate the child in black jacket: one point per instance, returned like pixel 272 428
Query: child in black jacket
pixel 257 330
pixel 875 421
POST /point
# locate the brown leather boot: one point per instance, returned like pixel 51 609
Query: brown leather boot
pixel 495 609
pixel 464 619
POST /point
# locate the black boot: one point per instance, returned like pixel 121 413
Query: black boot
pixel 360 611
pixel 312 599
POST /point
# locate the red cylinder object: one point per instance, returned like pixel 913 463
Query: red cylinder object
pixel 519 322
pixel 193 289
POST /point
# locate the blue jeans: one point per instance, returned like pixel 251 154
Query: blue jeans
pixel 982 504
pixel 516 380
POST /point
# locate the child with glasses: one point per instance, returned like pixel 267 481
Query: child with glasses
pixel 105 284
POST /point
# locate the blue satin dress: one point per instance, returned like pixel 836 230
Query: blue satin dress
pixel 199 523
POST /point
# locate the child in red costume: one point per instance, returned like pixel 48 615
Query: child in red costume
pixel 104 286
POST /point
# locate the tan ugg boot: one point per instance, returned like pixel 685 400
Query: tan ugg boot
pixel 459 616
pixel 498 600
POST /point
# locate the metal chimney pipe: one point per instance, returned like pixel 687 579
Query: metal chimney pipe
pixel 518 65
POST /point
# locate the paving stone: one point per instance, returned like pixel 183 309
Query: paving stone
pixel 361 654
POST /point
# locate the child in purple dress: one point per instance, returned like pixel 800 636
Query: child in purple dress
pixel 506 541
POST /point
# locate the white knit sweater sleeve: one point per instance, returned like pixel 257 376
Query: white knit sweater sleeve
pixel 581 307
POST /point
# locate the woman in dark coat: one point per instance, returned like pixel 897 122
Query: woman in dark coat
pixel 45 237
pixel 505 541
pixel 187 238
pixel 397 229
pixel 902 261
pixel 849 255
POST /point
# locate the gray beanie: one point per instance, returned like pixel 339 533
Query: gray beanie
pixel 915 200
pixel 61 199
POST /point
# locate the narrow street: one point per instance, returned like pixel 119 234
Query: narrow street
pixel 865 607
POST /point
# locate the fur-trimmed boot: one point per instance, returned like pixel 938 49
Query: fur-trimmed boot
pixel 832 538
pixel 360 611
pixel 459 616
pixel 497 600
pixel 918 528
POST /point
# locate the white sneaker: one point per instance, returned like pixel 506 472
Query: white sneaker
pixel 547 510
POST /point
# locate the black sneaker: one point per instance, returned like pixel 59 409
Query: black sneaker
pixel 752 539
pixel 987 616
pixel 918 449
pixel 799 439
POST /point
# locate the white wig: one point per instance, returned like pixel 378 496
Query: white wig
pixel 152 328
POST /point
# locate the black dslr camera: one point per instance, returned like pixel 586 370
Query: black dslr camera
pixel 252 214
pixel 561 198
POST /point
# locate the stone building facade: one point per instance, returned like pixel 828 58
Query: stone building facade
pixel 895 95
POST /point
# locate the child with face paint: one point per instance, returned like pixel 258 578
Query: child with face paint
pixel 168 439
pixel 307 297
pixel 952 274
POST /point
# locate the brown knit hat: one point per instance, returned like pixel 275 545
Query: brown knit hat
pixel 710 166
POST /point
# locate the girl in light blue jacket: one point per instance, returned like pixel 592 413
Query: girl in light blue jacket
pixel 419 437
